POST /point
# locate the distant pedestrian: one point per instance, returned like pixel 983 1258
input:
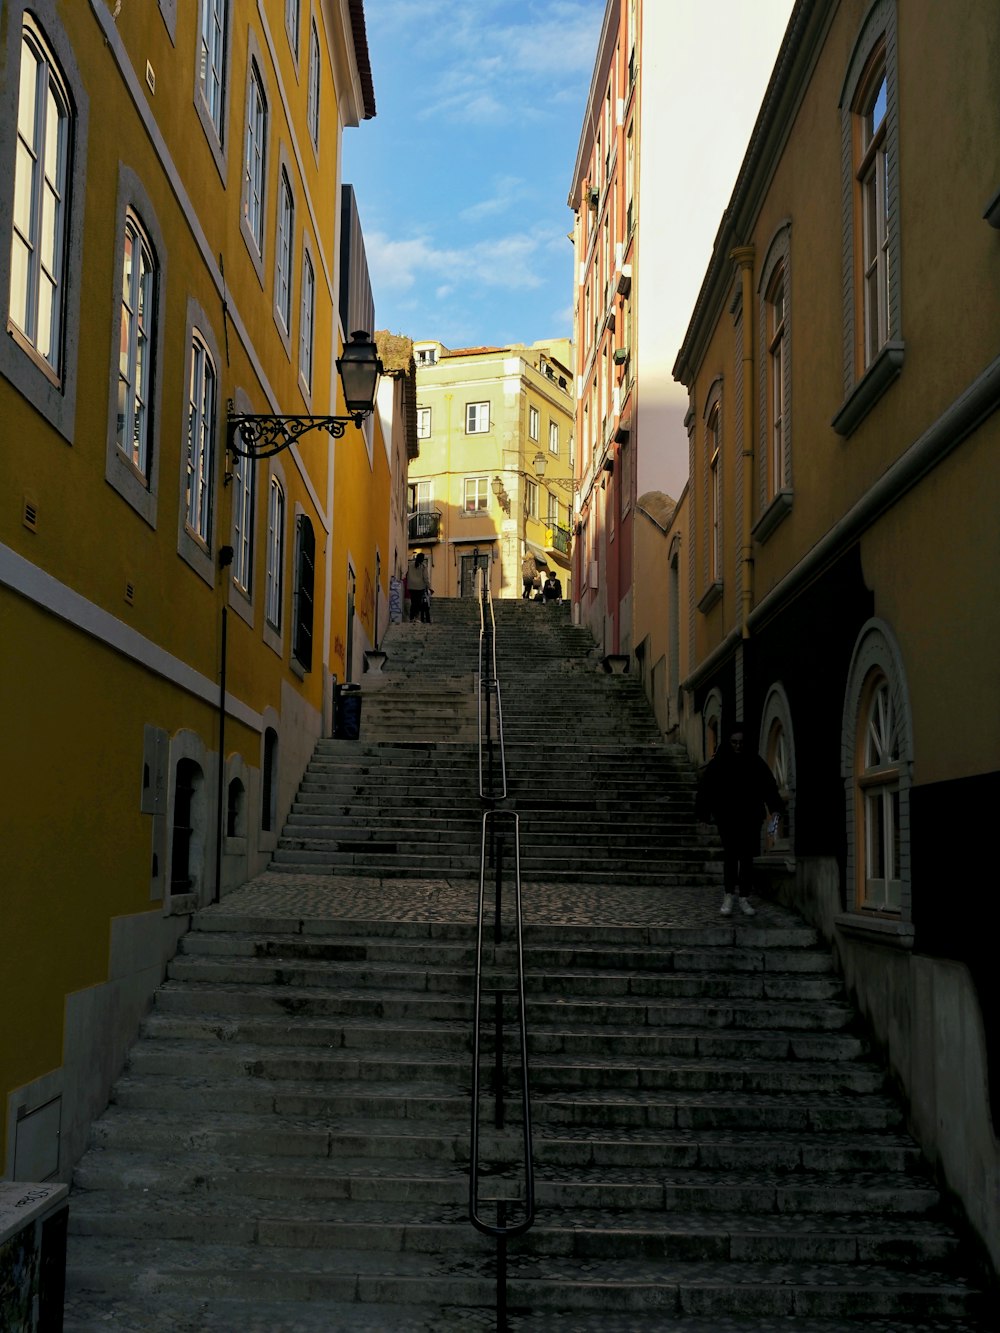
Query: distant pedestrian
pixel 418 584
pixel 529 576
pixel 737 790
pixel 552 588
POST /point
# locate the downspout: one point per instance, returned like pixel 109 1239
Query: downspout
pixel 744 256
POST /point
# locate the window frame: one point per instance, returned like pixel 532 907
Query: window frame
pixel 293 27
pixel 303 591
pixel 553 437
pixel 534 422
pixel 423 423
pixel 256 129
pixel 481 486
pixel 140 353
pixel 314 87
pixel 48 180
pixel 284 253
pixel 474 416
pixel 307 322
pixel 274 564
pixel 214 121
pixel 876 664
pixel 194 546
pixel 869 370
pixel 138 489
pixel 54 401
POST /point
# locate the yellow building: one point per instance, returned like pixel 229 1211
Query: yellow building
pixel 171 242
pixel 835 553
pixel 494 474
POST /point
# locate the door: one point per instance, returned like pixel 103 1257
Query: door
pixel 469 564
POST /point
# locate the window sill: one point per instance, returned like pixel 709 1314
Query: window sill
pixel 869 389
pixel 778 509
pixel 889 931
pixel 709 598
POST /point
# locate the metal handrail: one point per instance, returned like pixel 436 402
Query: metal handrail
pixel 492 849
pixel 489 687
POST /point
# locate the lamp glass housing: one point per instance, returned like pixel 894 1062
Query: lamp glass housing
pixel 359 367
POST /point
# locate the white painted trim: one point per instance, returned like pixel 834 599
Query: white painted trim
pixel 26 579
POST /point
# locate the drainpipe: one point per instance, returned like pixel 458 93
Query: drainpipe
pixel 743 255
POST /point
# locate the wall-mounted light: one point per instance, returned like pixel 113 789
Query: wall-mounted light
pixel 262 436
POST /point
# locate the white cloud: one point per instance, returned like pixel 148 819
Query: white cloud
pixel 507 190
pixel 507 261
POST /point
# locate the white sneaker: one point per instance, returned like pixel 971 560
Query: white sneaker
pixel 727 905
pixel 745 907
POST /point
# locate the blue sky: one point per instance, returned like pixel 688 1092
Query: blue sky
pixel 463 175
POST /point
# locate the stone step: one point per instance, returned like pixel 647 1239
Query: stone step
pixel 592 1233
pixel 704 1289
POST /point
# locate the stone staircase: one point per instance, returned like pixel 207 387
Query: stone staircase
pixel 715 1147
pixel 717 1150
pixel 601 798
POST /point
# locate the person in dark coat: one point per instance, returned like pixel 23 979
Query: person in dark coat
pixel 737 791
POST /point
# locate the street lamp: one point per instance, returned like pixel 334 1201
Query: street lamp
pixel 540 463
pixel 262 436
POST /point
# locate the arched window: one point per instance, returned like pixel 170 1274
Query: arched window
pixel 777 749
pixel 136 347
pixel 40 217
pixel 236 810
pixel 312 92
pixel 201 441
pixel 878 795
pixel 877 768
pixel 712 724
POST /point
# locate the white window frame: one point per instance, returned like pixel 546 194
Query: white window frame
pixel 477 418
pixel 293 25
pixel 36 306
pixel 713 451
pixel 554 437
pixel 423 423
pixel 307 318
pixel 872 182
pixel 252 210
pixel 275 564
pixel 136 348
pixel 284 250
pixel 313 86
pixel 244 513
pixel 533 423
pixel 530 498
pixel 480 490
pixel 212 75
pixel 203 387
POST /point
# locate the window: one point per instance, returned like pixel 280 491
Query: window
pixel 533 423
pixel 880 808
pixel 419 497
pixel 553 437
pixel 476 494
pixel 254 163
pixel 872 177
pixel 307 314
pixel 423 423
pixel 40 221
pixel 269 782
pixel 285 239
pixel 312 97
pixel 427 356
pixel 530 498
pixel 305 562
pixel 713 445
pixel 477 418
pixel 292 25
pixel 201 441
pixel 275 554
pixel 244 487
pixel 775 306
pixel 553 511
pixel 212 61
pixel 877 771
pixel 870 154
pixel 136 347
pixel 777 750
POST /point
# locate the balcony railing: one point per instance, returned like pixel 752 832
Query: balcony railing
pixel 424 525
pixel 558 539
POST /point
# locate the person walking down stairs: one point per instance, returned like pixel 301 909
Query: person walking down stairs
pixel 418 584
pixel 736 791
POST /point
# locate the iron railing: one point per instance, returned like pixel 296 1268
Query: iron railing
pixel 424 525
pixel 500 827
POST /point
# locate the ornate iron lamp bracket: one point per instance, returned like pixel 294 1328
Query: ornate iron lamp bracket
pixel 264 436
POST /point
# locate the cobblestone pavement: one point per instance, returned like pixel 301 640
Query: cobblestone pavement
pixel 356 897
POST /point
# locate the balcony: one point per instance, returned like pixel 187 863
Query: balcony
pixel 424 526
pixel 557 539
